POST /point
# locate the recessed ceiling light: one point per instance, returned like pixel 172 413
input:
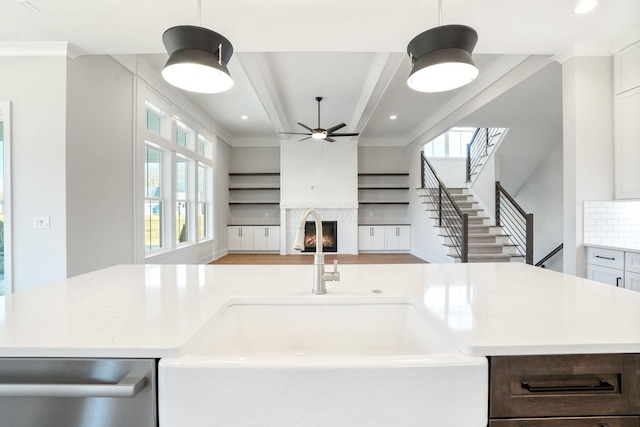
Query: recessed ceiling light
pixel 244 117
pixel 393 117
pixel 584 6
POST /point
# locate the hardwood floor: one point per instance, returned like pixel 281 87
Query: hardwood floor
pixel 308 259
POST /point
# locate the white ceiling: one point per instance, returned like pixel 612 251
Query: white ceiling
pixel 351 52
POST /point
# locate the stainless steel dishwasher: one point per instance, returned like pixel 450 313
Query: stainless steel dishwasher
pixel 77 392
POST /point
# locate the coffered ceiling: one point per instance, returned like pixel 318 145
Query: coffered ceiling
pixel 351 52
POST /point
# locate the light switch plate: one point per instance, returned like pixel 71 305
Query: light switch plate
pixel 41 222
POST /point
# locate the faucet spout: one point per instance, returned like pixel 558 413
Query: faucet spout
pixel 319 275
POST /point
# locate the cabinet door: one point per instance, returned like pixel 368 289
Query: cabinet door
pixel 391 237
pixel 260 238
pixel 404 237
pixel 632 262
pixel 371 238
pixel 273 238
pixel 233 238
pixel 610 276
pixel 239 238
pixel 397 237
pixel 632 281
pixel 627 149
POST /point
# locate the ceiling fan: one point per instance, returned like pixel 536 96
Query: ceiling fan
pixel 320 133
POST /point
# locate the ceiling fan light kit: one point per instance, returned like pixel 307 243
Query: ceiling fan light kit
pixel 320 133
pixel 441 57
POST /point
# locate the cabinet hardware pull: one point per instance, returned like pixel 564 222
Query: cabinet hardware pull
pixel 618 279
pixel 606 257
pixel 127 387
pixel 603 386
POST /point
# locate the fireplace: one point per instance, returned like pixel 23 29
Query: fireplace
pixel 329 236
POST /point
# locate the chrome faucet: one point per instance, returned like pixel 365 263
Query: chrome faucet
pixel 319 275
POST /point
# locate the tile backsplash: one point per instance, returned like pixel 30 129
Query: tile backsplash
pixel 612 223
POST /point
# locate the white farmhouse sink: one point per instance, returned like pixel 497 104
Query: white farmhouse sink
pixel 281 330
pixel 310 362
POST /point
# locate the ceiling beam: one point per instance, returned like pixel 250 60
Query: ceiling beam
pixel 257 70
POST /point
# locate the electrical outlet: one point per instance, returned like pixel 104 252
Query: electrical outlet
pixel 41 222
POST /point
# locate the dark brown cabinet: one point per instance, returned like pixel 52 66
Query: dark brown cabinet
pixel 594 390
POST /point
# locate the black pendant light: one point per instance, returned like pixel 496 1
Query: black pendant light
pixel 198 59
pixel 441 57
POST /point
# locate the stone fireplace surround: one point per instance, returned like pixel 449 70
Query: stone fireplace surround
pixel 347 219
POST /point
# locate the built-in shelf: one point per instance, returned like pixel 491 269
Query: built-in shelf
pixel 254 188
pixel 254 203
pixel 382 203
pixel 384 174
pixel 256 174
pixel 384 188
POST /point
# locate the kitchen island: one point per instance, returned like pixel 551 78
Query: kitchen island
pixel 159 311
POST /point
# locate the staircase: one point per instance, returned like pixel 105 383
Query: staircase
pixel 482 144
pixel 486 242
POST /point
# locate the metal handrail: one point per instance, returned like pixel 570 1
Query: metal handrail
pixel 482 139
pixel 450 216
pixel 549 255
pixel 518 223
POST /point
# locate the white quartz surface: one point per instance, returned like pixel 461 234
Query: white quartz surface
pixel 158 310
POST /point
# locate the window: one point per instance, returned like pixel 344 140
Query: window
pixel 182 200
pixel 153 198
pixel 450 144
pixel 185 136
pixel 178 171
pixel 203 201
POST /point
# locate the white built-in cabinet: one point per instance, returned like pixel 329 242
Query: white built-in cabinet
pixel 397 237
pixel 626 122
pixel 384 238
pixel 371 237
pixel 614 267
pixel 266 238
pixel 253 238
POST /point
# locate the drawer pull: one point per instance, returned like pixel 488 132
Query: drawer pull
pixel 603 386
pixel 606 257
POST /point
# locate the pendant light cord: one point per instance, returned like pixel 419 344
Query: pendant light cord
pixel 199 13
pixel 439 13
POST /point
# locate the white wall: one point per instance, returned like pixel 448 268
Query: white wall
pixel 100 111
pixel 36 87
pixel 425 243
pixel 452 172
pixel 223 159
pixel 254 159
pixel 542 195
pixel 319 174
pixel 588 147
pixel 381 160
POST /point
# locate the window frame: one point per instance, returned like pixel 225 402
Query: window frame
pixel 198 150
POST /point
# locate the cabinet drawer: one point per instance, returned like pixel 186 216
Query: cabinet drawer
pixel 568 422
pixel 564 385
pixel 605 258
pixel 632 262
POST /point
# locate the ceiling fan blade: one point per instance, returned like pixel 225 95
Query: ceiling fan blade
pixel 345 134
pixel 304 139
pixel 330 139
pixel 335 128
pixel 306 127
pixel 293 133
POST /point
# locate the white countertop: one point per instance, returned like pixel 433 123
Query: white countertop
pixel 157 310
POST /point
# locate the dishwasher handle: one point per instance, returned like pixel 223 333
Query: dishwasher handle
pixel 128 387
